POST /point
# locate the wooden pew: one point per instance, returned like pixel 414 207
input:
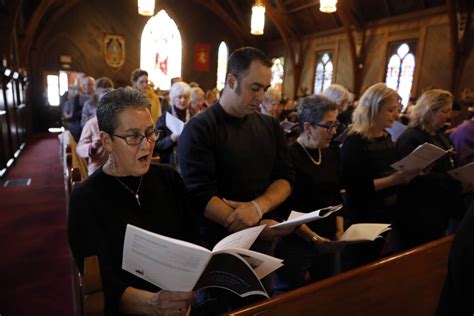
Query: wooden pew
pixel 408 283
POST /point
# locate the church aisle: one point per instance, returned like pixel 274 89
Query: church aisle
pixel 35 262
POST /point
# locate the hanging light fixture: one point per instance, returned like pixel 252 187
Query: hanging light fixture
pixel 146 7
pixel 258 18
pixel 327 6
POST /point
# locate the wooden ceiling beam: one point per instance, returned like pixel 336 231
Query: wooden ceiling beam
pixel 218 10
pixel 33 23
pixel 237 14
pixel 460 38
pixel 357 47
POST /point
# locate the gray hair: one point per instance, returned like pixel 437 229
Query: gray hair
pixel 114 102
pixel 337 93
pixel 272 94
pixel 196 92
pixel 370 105
pixel 179 88
pixel 429 101
pixel 313 108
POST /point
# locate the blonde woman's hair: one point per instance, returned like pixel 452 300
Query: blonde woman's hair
pixel 429 101
pixel 370 105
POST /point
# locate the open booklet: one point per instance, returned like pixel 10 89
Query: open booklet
pixel 176 265
pixel 421 157
pixel 297 218
pixel 174 124
pixel 464 173
pixel 364 232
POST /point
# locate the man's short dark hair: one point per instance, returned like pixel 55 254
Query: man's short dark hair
pixel 313 109
pixel 240 60
pixel 114 102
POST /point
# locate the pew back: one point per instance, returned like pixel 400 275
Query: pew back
pixel 408 283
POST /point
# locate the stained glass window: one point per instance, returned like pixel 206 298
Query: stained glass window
pixel 277 73
pixel 323 71
pixel 401 68
pixel 222 56
pixel 161 50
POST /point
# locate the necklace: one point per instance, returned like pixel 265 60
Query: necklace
pixel 318 162
pixel 137 197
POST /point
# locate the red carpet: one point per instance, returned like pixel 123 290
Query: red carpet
pixel 35 265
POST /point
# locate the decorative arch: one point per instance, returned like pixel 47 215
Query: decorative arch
pixel 161 50
pixel 222 56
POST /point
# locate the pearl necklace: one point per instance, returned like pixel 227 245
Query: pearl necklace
pixel 318 162
pixel 137 197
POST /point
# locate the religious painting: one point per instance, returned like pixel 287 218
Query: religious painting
pixel 202 54
pixel 114 51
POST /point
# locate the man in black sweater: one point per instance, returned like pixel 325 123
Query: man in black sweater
pixel 234 161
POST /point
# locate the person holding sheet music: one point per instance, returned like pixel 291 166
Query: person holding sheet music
pixel 428 202
pixel 180 96
pixel 127 190
pixel 316 186
pixel 234 161
pixel 370 183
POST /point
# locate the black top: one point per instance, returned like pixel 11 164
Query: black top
pixel 165 146
pixel 435 193
pixel 230 157
pixel 457 295
pixel 316 186
pixel 101 207
pixel 362 161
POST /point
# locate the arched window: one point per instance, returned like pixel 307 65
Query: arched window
pixel 323 71
pixel 222 56
pixel 161 50
pixel 400 69
pixel 277 73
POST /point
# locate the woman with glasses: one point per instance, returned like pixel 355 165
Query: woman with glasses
pixel 316 187
pixel 366 155
pixel 128 190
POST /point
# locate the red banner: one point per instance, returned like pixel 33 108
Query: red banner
pixel 202 54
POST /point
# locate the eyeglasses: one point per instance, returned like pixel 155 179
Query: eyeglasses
pixel 136 139
pixel 329 127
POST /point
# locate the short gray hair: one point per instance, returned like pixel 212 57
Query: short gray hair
pixel 337 93
pixel 313 108
pixel 114 102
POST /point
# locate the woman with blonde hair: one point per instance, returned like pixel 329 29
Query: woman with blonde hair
pixel 428 202
pixel 366 155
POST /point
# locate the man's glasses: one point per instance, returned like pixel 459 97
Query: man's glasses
pixel 329 127
pixel 136 139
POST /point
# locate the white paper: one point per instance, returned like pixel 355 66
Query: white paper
pixel 420 158
pixel 364 232
pixel 296 218
pixel 241 239
pixel 464 173
pixel 174 124
pixel 168 263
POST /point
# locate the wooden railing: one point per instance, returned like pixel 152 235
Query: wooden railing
pixel 408 283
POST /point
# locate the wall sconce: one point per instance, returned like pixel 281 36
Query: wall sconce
pixel 258 18
pixel 327 6
pixel 146 7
